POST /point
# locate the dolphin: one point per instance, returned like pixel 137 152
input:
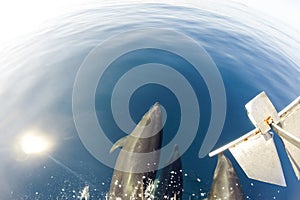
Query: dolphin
pixel 137 162
pixel 225 182
pixel 169 185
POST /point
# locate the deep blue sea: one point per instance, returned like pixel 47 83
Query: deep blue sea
pixel 251 52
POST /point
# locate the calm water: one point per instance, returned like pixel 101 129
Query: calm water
pixel 253 53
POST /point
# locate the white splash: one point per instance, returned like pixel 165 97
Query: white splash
pixel 85 194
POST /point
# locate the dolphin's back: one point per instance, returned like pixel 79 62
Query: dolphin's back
pixel 225 182
pixel 137 163
pixel 127 185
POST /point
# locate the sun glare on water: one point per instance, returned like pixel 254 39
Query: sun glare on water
pixel 33 143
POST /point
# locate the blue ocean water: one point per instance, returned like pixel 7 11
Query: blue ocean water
pixel 253 53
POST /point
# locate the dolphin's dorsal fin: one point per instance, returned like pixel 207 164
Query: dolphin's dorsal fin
pixel 120 143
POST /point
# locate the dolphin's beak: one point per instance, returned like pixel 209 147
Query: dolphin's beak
pixel 156 107
pixel 155 110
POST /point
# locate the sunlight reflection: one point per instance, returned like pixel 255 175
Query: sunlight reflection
pixel 34 142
